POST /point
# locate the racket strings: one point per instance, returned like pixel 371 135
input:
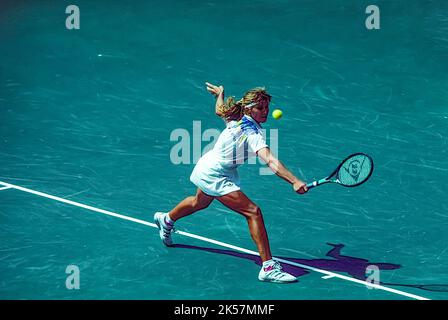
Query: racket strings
pixel 355 170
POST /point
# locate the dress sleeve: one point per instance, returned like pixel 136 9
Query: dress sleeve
pixel 256 142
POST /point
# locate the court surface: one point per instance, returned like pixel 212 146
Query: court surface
pixel 86 156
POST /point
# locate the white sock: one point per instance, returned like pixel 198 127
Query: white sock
pixel 268 263
pixel 168 220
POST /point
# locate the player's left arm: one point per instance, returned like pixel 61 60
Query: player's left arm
pixel 218 92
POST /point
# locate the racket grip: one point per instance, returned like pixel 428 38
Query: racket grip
pixel 311 185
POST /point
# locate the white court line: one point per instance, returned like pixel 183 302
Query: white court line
pixel 5 188
pixel 328 274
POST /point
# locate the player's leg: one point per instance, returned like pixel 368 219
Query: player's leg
pixel 271 271
pixel 165 221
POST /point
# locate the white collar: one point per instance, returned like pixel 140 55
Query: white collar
pixel 253 121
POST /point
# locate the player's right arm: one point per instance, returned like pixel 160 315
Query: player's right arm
pixel 280 170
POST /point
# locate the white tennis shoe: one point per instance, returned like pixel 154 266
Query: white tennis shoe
pixel 273 273
pixel 165 228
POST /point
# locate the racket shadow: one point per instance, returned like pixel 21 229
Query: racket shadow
pixel 354 266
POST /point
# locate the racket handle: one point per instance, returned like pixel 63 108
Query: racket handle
pixel 311 185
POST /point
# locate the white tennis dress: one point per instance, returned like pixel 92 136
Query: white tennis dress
pixel 216 171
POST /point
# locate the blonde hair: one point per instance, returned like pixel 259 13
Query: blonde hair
pixel 232 110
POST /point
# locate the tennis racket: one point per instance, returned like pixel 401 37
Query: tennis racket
pixel 351 172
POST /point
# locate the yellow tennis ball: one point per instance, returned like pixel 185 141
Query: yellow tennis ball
pixel 277 114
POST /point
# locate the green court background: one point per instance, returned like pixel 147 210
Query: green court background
pixel 87 115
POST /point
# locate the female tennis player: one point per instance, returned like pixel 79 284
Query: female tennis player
pixel 216 174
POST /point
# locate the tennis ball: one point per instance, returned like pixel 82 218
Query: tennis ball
pixel 277 114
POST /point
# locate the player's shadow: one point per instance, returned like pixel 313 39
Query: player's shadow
pixel 356 267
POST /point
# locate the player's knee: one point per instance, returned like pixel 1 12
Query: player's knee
pixel 199 205
pixel 254 212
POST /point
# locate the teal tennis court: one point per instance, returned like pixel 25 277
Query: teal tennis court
pixel 89 149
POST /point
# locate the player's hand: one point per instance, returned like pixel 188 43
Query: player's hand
pixel 215 90
pixel 300 187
